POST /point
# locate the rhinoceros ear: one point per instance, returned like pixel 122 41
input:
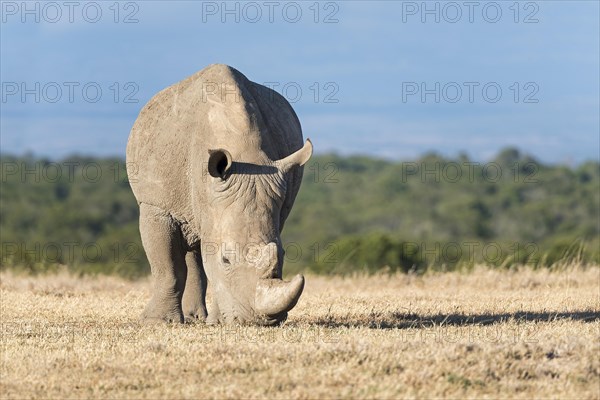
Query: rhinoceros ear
pixel 297 158
pixel 219 163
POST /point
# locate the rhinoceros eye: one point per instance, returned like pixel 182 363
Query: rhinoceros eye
pixel 226 261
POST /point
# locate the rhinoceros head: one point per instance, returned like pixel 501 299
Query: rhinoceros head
pixel 241 245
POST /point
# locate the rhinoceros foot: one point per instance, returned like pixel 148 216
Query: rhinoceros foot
pixel 160 315
pixel 195 318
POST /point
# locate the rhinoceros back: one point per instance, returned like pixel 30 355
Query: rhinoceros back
pixel 157 156
pixel 170 139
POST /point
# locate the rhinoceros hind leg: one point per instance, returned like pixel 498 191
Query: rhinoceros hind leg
pixel 194 295
pixel 163 243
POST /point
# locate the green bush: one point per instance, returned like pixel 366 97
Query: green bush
pixel 352 214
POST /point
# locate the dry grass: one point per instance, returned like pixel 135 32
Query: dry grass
pixel 488 334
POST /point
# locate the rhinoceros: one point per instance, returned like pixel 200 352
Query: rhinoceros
pixel 215 162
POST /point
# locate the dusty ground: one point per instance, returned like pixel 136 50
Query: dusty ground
pixel 487 335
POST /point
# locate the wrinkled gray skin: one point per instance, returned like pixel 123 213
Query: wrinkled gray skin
pixel 215 163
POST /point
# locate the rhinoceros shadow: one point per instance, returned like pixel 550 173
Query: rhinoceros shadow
pixel 243 168
pixel 397 320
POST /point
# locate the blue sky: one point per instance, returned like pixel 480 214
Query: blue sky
pixel 361 68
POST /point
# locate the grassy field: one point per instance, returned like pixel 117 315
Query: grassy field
pixel 485 334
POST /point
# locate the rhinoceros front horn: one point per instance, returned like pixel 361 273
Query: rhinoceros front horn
pixel 275 296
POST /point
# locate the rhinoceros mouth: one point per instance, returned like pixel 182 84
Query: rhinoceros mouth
pixel 274 320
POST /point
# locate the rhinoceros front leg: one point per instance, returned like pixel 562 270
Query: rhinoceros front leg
pixel 214 315
pixel 163 243
pixel 194 295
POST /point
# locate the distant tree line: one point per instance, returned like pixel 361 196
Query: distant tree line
pixel 352 214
